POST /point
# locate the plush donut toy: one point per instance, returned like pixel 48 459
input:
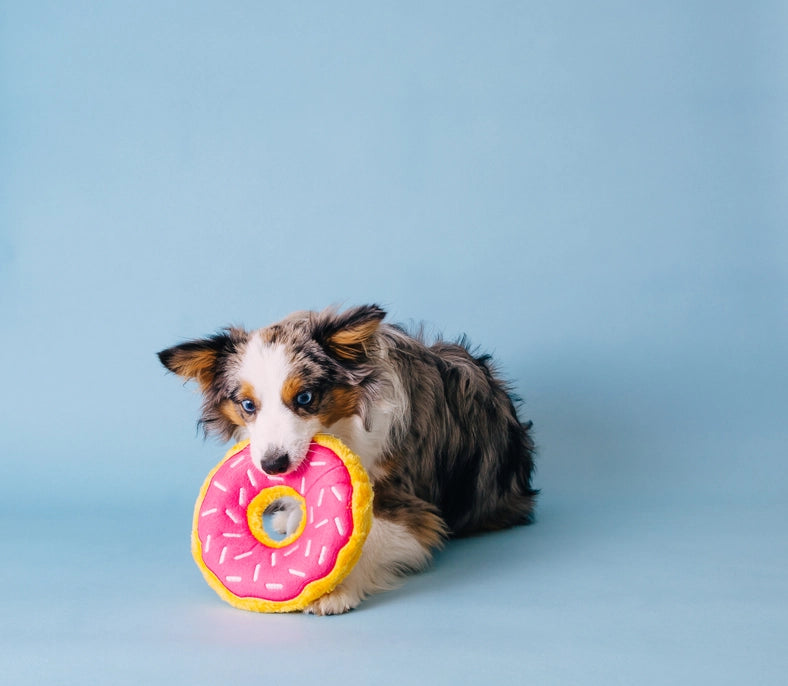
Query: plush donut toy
pixel 249 568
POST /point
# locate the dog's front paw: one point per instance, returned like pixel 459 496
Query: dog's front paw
pixel 339 601
pixel 279 521
pixel 284 518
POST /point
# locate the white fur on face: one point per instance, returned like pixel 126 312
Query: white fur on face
pixel 275 427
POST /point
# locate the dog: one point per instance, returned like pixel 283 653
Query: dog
pixel 435 427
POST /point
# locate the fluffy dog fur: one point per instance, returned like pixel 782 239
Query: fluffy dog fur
pixel 435 427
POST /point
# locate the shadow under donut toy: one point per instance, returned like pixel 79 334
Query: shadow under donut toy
pixel 252 570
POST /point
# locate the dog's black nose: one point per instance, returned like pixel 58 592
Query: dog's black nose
pixel 275 462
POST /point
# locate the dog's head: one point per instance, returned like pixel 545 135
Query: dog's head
pixel 281 385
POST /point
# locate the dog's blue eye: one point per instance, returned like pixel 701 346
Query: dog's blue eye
pixel 248 406
pixel 303 398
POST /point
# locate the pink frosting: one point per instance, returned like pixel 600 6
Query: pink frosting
pixel 246 566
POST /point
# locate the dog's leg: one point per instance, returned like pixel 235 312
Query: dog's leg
pixel 285 516
pixel 400 541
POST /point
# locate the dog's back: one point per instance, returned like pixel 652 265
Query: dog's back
pixel 463 449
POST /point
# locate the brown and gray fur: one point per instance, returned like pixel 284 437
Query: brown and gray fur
pixel 434 425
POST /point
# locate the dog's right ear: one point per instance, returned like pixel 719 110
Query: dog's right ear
pixel 346 335
pixel 199 359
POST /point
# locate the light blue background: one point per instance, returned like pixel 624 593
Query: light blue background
pixel 597 193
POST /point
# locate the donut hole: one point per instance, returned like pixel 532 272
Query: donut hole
pixel 282 518
pixel 277 516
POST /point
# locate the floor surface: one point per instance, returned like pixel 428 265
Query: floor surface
pixel 642 593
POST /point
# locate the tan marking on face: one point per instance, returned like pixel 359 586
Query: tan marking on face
pixel 230 411
pixel 340 402
pixel 292 386
pixel 247 392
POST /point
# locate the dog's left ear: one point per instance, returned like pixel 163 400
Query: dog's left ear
pixel 348 335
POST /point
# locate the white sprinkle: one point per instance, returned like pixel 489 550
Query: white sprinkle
pixel 274 587
pixel 295 572
pixel 223 555
pixel 232 535
pixel 220 487
pixel 317 463
pixel 311 514
pixel 242 497
pixel 243 555
pixel 336 493
pixel 236 462
pixel 320 497
pixel 319 524
pixel 292 550
pixel 340 528
pixel 250 474
pixel 232 516
pixel 275 478
pixel 273 559
pixel 208 512
pixel 308 547
pixel 322 557
pixel 207 543
pixel 233 578
pixel 303 484
pixel 256 573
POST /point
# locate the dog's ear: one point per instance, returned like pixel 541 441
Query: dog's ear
pixel 199 359
pixel 348 335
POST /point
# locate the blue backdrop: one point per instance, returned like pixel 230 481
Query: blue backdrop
pixel 596 193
